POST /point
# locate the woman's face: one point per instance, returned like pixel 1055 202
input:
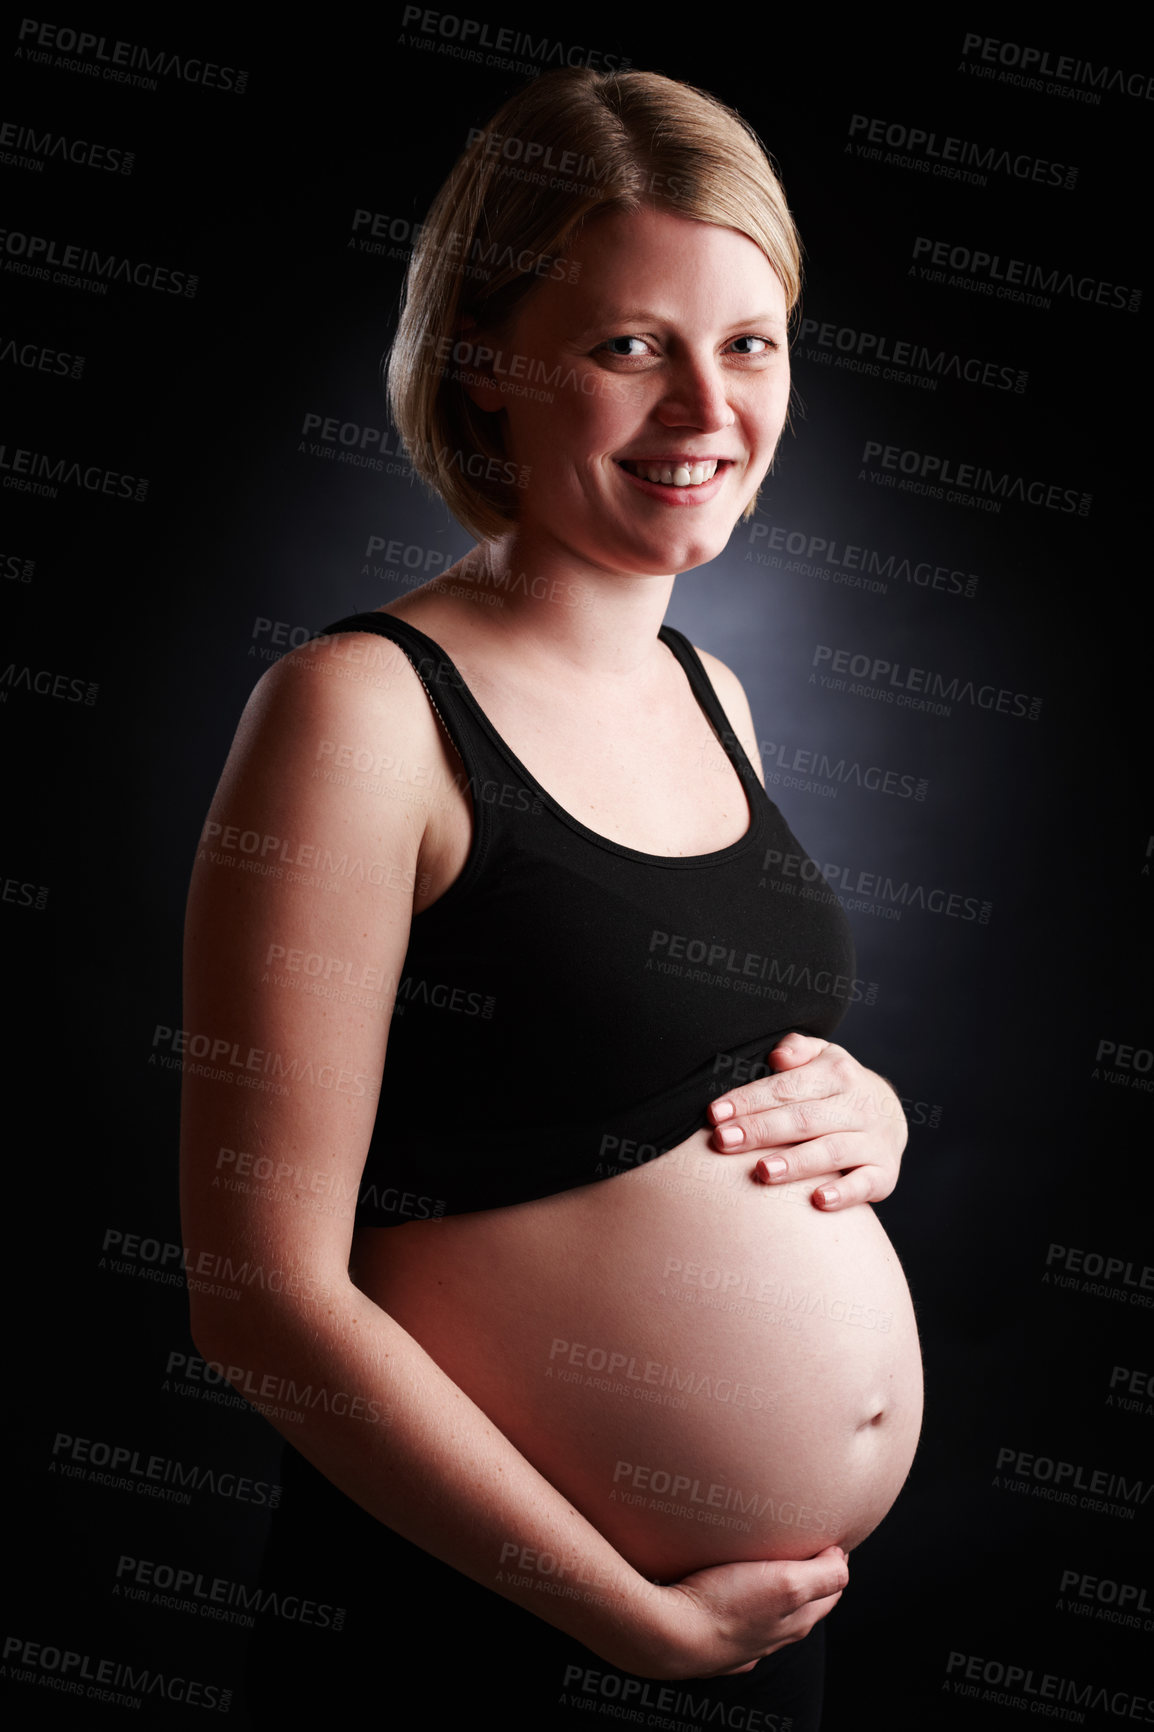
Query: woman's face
pixel 666 357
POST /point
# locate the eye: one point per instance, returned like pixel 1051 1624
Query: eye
pixel 766 345
pixel 618 347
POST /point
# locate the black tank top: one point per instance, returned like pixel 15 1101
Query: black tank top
pixel 569 1007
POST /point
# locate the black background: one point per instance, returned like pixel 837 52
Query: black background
pixel 1025 1135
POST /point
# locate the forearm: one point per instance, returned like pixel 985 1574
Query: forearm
pixel 396 1435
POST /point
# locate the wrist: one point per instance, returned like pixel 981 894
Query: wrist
pixel 664 1637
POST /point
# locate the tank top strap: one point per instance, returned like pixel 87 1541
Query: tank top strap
pixel 449 697
pixel 703 691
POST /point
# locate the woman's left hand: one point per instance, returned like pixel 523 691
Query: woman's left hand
pixel 822 1114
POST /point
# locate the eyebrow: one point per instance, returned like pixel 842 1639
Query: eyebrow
pixel 639 316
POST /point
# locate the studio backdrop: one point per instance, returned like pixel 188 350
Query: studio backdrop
pixel 938 613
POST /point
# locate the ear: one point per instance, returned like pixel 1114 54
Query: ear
pixel 475 362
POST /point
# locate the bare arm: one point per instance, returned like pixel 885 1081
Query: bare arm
pixel 297 857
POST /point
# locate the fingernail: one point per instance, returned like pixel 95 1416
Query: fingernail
pixel 829 1194
pixel 731 1136
pixel 722 1110
pixel 774 1167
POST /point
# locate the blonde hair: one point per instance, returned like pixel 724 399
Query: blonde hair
pixel 571 144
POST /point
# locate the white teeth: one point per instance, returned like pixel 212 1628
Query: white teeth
pixel 679 475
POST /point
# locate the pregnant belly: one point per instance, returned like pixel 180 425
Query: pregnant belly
pixel 709 1369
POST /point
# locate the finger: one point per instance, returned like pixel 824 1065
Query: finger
pixel 813 1614
pixel 794 1049
pixel 853 1182
pixel 818 1157
pixel 819 1078
pixel 796 1122
pixel 794 1629
pixel 847 1190
pixel 815 1578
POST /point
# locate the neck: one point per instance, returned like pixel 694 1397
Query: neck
pixel 557 610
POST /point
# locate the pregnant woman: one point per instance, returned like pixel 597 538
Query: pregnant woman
pixel 594 1359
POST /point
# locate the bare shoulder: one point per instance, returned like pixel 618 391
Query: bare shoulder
pixel 731 694
pixel 352 680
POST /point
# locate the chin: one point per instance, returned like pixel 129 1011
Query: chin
pixel 686 554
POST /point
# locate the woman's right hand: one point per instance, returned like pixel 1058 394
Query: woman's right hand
pixel 731 1615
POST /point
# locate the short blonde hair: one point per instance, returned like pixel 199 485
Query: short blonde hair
pixel 570 145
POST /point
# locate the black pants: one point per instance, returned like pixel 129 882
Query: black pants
pixel 427 1647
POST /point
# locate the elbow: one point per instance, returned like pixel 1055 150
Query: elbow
pixel 264 1321
pixel 215 1336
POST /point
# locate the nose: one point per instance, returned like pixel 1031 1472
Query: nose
pixel 696 398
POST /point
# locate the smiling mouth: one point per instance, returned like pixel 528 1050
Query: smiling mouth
pixel 675 474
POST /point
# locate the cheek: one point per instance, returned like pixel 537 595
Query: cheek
pixel 774 412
